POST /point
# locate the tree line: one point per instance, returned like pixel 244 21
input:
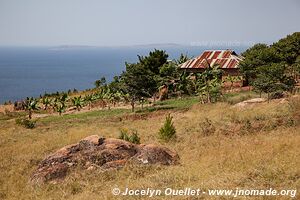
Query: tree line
pixel 275 68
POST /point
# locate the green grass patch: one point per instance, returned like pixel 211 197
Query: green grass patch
pixel 85 115
pixel 181 103
pixel 234 98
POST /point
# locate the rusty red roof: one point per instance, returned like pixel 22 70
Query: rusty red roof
pixel 223 58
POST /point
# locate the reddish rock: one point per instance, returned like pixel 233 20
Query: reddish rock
pixel 154 154
pixel 94 152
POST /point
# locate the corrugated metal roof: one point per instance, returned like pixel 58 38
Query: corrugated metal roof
pixel 224 58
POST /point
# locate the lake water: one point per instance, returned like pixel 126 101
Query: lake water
pixel 31 71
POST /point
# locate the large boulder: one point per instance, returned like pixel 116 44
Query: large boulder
pixel 105 153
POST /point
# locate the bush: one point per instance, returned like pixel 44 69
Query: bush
pixel 168 131
pixel 30 124
pixel 132 137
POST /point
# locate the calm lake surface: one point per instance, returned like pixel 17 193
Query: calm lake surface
pixel 31 71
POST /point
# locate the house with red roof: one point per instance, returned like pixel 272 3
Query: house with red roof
pixel 227 60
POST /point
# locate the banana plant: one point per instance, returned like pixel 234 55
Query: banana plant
pixel 100 95
pixel 77 102
pixel 183 83
pixel 209 84
pixel 108 96
pixel 46 102
pixel 59 103
pixel 89 99
pixel 60 107
pixel 30 106
pixel 232 80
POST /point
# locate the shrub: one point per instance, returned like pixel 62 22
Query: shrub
pixel 168 131
pixel 132 137
pixel 30 124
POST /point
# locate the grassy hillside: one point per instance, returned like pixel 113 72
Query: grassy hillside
pixel 220 146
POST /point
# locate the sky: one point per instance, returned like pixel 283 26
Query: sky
pixel 138 22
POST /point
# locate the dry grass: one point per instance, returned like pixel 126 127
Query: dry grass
pixel 251 148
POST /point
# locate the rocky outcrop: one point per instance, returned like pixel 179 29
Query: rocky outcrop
pixel 105 153
pixel 250 102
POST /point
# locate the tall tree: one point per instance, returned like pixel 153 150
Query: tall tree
pixel 154 61
pixel 100 82
pixel 273 78
pixel 288 48
pixel 256 56
pixel 139 82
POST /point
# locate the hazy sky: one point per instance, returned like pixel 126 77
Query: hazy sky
pixel 130 22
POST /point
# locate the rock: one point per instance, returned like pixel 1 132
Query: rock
pixel 94 139
pixel 249 102
pixel 50 172
pixel 94 152
pixel 153 154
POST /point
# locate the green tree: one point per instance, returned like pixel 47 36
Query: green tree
pixel 288 48
pixel 154 61
pixel 168 131
pixel 254 57
pixel 100 82
pixel 273 78
pixel 132 137
pixel 30 106
pixel 139 82
pixel 182 59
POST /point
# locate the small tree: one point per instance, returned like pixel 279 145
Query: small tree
pixel 168 131
pixel 132 137
pixel 139 82
pixel 30 106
